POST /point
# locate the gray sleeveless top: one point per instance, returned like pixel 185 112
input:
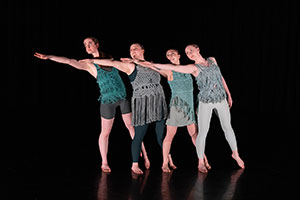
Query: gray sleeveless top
pixel 209 81
pixel 148 100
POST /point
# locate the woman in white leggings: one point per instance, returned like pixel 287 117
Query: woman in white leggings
pixel 212 95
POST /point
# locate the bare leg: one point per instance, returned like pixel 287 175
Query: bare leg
pixel 171 131
pixel 127 121
pixel 192 129
pixel 235 156
pixel 106 125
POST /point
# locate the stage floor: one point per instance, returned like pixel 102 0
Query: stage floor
pixel 56 157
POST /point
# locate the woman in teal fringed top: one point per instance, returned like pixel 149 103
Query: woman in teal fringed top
pixel 212 95
pixel 181 108
pixel 112 95
pixel 148 99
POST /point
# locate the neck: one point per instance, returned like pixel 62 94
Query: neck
pixel 96 54
pixel 200 60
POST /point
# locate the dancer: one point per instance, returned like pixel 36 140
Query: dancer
pixel 112 95
pixel 181 108
pixel 148 99
pixel 212 95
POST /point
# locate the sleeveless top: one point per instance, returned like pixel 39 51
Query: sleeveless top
pixel 210 85
pixel 112 88
pixel 182 94
pixel 148 100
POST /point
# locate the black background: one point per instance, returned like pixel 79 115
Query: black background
pixel 50 113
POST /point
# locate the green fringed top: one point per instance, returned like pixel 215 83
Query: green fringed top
pixel 112 88
pixel 182 94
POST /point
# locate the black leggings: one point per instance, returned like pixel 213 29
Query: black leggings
pixel 140 132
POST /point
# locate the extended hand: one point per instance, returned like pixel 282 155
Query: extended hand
pixel 41 56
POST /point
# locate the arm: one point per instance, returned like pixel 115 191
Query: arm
pixel 187 69
pixel 122 66
pixel 224 85
pixel 166 73
pixel 227 92
pixel 64 60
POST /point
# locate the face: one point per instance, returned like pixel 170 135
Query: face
pixel 90 46
pixel 136 52
pixel 192 52
pixel 173 56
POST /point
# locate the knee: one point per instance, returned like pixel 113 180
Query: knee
pixel 169 137
pixel 137 139
pixel 193 134
pixel 201 136
pixel 227 129
pixel 104 135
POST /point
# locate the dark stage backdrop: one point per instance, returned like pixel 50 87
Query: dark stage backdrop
pixel 50 112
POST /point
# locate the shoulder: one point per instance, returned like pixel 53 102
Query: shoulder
pixel 213 59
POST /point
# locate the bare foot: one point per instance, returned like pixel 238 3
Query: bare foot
pixel 172 166
pixel 135 169
pixel 207 165
pixel 165 168
pixel 201 166
pixel 202 169
pixel 105 168
pixel 239 161
pixel 171 162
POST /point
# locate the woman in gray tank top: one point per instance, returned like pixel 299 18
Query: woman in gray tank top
pixel 212 95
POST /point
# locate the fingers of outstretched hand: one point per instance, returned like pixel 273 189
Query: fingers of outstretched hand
pixel 41 56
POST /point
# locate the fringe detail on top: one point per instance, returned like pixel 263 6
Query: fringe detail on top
pixel 210 86
pixel 149 108
pixel 182 106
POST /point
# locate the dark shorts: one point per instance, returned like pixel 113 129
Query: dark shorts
pixel 108 111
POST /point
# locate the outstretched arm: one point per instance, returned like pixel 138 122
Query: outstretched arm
pixel 64 60
pixel 187 69
pixel 164 72
pixel 122 66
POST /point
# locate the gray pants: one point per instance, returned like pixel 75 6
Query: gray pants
pixel 204 116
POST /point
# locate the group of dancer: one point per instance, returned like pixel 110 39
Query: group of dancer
pixel 148 103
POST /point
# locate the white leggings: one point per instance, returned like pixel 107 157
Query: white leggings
pixel 204 116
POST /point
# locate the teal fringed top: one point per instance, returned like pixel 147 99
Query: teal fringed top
pixel 112 88
pixel 210 85
pixel 182 94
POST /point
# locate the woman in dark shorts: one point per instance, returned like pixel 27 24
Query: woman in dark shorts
pixel 112 95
